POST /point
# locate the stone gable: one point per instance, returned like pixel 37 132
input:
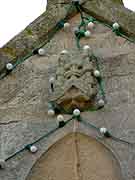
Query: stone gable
pixel 24 104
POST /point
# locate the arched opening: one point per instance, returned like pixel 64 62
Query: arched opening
pixel 76 157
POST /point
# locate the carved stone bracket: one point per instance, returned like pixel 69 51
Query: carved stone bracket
pixel 74 85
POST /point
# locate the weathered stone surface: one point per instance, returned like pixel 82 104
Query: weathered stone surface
pixel 76 164
pixel 75 85
pixel 34 35
pixel 37 32
pixel 110 12
pixel 24 97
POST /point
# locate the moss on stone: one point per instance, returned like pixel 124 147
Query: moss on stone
pixel 118 1
pixel 29 31
pixel 10 51
pixel 105 10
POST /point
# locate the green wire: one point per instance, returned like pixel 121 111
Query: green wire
pixel 50 35
pixel 23 59
pixel 117 32
pixel 83 23
pixel 128 39
pixel 42 137
pixel 88 124
pixel 101 84
pixel 105 24
pixel 100 80
pixel 25 147
pixel 3 75
pixel 121 140
pixel 78 42
pixel 15 154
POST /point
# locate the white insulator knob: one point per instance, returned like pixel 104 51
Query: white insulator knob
pixel 101 103
pixel 33 149
pixel 41 52
pixel 9 66
pixel 116 26
pixel 64 52
pixel 76 112
pixel 2 164
pixel 103 130
pixel 60 118
pixel 66 26
pixel 91 25
pixel 87 33
pixel 86 48
pixel 52 80
pixel 51 112
pixel 97 73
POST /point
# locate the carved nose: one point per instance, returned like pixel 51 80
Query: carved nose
pixel 73 72
pixel 73 68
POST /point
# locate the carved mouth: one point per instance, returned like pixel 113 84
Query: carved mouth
pixel 74 98
pixel 79 103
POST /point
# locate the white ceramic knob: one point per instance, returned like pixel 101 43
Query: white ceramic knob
pixel 33 149
pixel 76 112
pixel 60 118
pixel 51 112
pixel 64 52
pixel 66 26
pixel 97 73
pixel 9 66
pixel 87 33
pixel 103 130
pixel 90 25
pixel 52 80
pixel 101 103
pixel 116 25
pixel 41 52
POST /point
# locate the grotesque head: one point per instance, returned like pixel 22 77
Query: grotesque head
pixel 74 86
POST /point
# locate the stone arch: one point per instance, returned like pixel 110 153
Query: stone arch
pixel 76 156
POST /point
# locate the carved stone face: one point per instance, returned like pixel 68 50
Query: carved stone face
pixel 74 87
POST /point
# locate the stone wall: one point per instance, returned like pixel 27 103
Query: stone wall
pixel 74 161
pixel 37 32
pixel 24 98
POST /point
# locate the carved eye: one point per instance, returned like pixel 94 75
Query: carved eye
pixel 68 77
pixel 80 67
pixel 67 68
pixel 92 85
